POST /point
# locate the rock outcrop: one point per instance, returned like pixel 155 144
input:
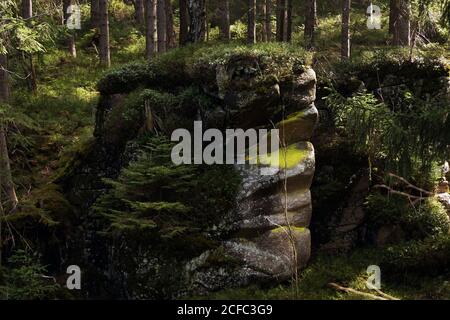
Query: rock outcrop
pixel 265 237
pixel 267 231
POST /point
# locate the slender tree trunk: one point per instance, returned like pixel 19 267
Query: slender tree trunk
pixel 95 14
pixel 402 24
pixel 150 28
pixel 4 78
pixel 280 19
pixel 6 182
pixel 310 23
pixel 251 23
pixel 345 35
pixel 139 12
pixel 105 53
pixel 197 13
pixel 27 13
pixel 71 38
pixel 393 15
pixel 288 36
pixel 224 9
pixel 184 22
pixel 27 9
pixel 161 26
pixel 171 35
pixel 268 19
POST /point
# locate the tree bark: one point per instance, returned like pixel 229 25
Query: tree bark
pixel 345 35
pixel 268 19
pixel 197 13
pixel 184 22
pixel 27 9
pixel 150 28
pixel 139 14
pixel 171 35
pixel 27 13
pixel 71 37
pixel 105 53
pixel 6 182
pixel 288 35
pixel 224 9
pixel 402 23
pixel 95 14
pixel 310 23
pixel 161 26
pixel 280 19
pixel 4 78
pixel 393 15
pixel 251 23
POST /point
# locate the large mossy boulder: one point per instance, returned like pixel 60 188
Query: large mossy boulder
pixel 264 236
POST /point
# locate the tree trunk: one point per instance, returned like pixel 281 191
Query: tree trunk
pixel 27 13
pixel 139 14
pixel 224 9
pixel 184 22
pixel 4 78
pixel 251 23
pixel 345 35
pixel 310 23
pixel 95 14
pixel 268 19
pixel 280 19
pixel 6 182
pixel 393 15
pixel 150 28
pixel 288 35
pixel 105 54
pixel 27 9
pixel 402 23
pixel 161 26
pixel 71 37
pixel 197 13
pixel 171 35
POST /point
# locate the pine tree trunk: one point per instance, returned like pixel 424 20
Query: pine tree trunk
pixel 251 23
pixel 27 13
pixel 393 15
pixel 224 9
pixel 171 35
pixel 197 13
pixel 310 23
pixel 268 20
pixel 402 24
pixel 280 19
pixel 27 9
pixel 139 12
pixel 105 54
pixel 184 22
pixel 94 14
pixel 161 26
pixel 71 37
pixel 6 182
pixel 150 28
pixel 288 36
pixel 345 35
pixel 4 78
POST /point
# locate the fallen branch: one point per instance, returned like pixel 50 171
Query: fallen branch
pixel 410 184
pixel 360 293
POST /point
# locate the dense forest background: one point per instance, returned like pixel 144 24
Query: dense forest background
pixel 49 92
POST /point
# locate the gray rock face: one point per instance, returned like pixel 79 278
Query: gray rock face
pixel 267 232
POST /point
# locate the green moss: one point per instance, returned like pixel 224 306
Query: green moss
pixel 285 229
pixel 287 157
